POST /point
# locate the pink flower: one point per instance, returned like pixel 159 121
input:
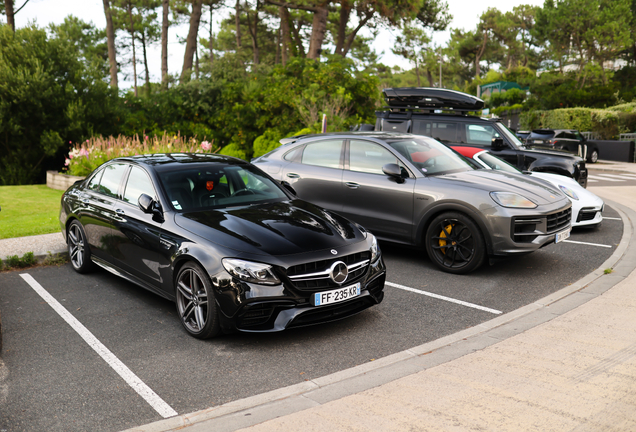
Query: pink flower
pixel 146 137
pixel 70 156
pixel 206 145
pixel 68 161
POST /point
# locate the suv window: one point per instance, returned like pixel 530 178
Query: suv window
pixel 138 183
pixel 480 134
pixel 109 185
pixel 368 157
pixel 441 131
pixel 324 153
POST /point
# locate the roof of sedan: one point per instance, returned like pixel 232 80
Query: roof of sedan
pixel 158 159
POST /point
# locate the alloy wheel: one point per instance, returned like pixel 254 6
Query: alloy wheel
pixel 192 300
pixel 453 244
pixel 76 246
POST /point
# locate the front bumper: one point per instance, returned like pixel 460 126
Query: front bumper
pixel 521 231
pixel 250 307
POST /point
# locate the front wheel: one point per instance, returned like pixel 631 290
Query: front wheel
pixel 195 302
pixel 455 244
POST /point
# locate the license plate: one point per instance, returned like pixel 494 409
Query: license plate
pixel 336 296
pixel 538 141
pixel 562 235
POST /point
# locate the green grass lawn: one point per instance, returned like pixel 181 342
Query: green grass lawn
pixel 29 210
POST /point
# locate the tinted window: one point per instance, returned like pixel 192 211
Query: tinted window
pixel 497 164
pixel 323 153
pixel 481 134
pixel 138 183
pixel 441 131
pixel 94 183
pixel 365 156
pixel 111 179
pixel 218 186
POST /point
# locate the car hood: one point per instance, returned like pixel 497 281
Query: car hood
pixel 281 228
pixel 501 181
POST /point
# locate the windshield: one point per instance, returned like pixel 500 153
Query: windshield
pixel 510 135
pixel 497 164
pixel 218 186
pixel 430 156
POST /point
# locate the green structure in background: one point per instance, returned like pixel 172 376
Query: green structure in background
pixel 486 90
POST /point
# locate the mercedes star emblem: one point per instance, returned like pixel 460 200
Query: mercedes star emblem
pixel 339 272
pixel 334 252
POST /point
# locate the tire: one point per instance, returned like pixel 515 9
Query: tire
pixel 467 250
pixel 196 304
pixel 79 251
pixel 593 156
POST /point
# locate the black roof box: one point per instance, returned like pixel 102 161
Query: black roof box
pixel 427 97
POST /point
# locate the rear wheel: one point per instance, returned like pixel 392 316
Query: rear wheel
pixel 78 250
pixel 455 244
pixel 195 302
pixel 593 156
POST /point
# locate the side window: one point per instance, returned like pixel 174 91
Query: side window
pixel 368 157
pixel 292 155
pixel 441 131
pixel 111 179
pixel 94 183
pixel 480 134
pixel 138 183
pixel 324 153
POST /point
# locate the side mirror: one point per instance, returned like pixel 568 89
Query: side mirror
pixel 289 187
pixel 497 144
pixel 394 171
pixel 150 206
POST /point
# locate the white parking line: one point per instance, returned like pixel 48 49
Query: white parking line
pixel 595 177
pixel 589 180
pixel 440 297
pixel 589 244
pixel 609 218
pixel 621 176
pixel 138 385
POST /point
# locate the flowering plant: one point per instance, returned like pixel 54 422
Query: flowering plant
pixel 84 157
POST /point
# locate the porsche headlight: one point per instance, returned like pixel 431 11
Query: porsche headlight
pixel 569 192
pixel 249 271
pixel 512 200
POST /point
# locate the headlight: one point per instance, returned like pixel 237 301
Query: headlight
pixel 375 251
pixel 569 192
pixel 250 271
pixel 510 199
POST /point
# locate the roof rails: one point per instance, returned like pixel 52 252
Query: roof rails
pixel 418 98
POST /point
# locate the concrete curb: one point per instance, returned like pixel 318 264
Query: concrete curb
pixel 257 409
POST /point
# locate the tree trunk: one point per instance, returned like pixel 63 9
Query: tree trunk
pixel 352 36
pixel 191 41
pixel 110 37
pixel 429 75
pixel 143 46
pixel 417 73
pixel 253 29
pixel 211 42
pixel 237 18
pixel 278 42
pixel 286 34
pixel 8 8
pixel 165 4
pixel 298 40
pixel 480 54
pixel 196 63
pixel 345 13
pixel 132 35
pixel 318 29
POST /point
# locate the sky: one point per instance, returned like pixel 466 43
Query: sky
pixel 465 14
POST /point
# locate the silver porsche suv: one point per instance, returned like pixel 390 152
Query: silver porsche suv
pixel 413 190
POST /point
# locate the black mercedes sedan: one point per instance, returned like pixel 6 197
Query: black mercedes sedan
pixel 234 249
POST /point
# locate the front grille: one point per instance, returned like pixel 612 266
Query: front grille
pixel 558 221
pixel 586 214
pixel 315 275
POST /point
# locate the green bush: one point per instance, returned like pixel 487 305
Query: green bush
pixel 13 261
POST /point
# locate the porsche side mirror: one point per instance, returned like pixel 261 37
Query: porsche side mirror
pixel 394 171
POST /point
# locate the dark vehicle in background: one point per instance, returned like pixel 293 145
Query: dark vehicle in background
pixel 413 190
pixel 446 116
pixel 564 139
pixel 228 244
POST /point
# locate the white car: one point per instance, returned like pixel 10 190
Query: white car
pixel 587 208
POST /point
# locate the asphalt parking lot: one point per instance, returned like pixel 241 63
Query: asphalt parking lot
pixel 55 380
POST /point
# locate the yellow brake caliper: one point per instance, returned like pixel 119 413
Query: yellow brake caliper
pixel 442 243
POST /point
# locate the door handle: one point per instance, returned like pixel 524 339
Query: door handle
pixel 352 185
pixel 293 175
pixel 120 211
